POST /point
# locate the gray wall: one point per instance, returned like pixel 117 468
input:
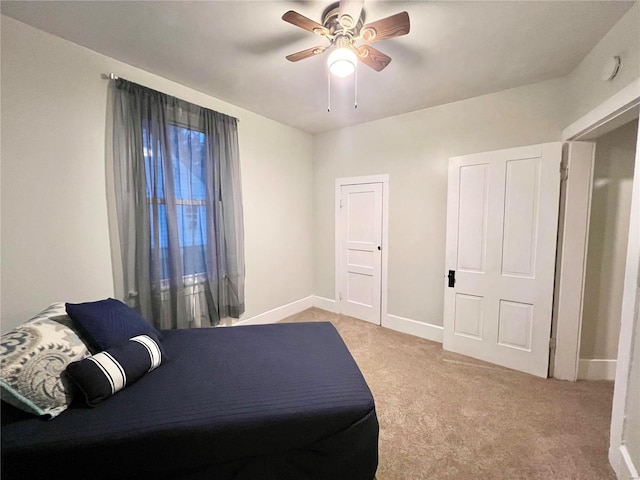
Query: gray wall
pixel 607 247
pixel 55 234
pixel 585 87
pixel 414 150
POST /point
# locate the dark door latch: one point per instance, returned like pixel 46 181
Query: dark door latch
pixel 452 278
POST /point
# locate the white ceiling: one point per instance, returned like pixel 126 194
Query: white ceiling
pixel 235 50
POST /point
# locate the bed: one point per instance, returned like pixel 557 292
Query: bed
pixel 284 401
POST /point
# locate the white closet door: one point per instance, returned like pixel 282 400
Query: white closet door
pixel 502 215
pixel 360 251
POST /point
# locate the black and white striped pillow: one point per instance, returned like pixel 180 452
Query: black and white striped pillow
pixel 106 373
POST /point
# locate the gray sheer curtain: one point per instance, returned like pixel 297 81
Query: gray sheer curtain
pixel 179 208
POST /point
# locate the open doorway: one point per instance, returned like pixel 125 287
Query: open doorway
pixel 617 111
pixel 611 190
pixel 608 133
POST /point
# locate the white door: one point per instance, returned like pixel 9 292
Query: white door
pixel 360 241
pixel 502 218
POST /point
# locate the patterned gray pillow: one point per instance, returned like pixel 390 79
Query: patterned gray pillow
pixel 33 359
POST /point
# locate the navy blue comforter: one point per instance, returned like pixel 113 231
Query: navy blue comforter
pixel 283 401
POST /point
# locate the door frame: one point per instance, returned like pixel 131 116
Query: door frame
pixel 571 258
pixel 612 113
pixel 362 180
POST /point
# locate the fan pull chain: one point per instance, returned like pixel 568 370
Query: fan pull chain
pixel 355 89
pixel 328 90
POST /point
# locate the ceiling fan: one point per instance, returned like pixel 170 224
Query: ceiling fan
pixel 343 25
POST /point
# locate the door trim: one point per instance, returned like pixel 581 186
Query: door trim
pixel 609 115
pixel 340 182
pixel 598 119
pixel 571 258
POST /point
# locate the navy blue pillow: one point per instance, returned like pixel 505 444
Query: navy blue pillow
pixel 106 373
pixel 108 323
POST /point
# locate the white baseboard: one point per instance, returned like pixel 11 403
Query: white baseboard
pixel 622 463
pixel 629 470
pixel 327 304
pixel 413 327
pixel 405 325
pixel 279 313
pixel 596 369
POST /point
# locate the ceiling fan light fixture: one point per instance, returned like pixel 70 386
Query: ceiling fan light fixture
pixel 342 62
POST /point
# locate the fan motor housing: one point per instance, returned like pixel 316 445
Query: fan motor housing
pixel 331 21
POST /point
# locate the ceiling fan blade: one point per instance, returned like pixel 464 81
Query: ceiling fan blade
pixel 301 21
pixel 371 57
pixel 349 12
pixel 309 52
pixel 389 27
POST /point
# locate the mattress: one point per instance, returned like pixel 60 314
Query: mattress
pixel 255 402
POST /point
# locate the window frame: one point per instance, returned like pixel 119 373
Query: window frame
pixel 196 278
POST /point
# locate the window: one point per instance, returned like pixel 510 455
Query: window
pixel 179 208
pixel 186 173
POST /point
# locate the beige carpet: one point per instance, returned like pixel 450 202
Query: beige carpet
pixel 445 416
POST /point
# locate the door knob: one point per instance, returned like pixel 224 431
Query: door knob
pixel 452 278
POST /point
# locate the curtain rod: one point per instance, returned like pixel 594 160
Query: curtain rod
pixel 113 76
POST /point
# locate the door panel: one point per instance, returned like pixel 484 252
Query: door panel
pixel 514 325
pixel 469 314
pixel 502 215
pixel 520 217
pixel 360 254
pixel 472 231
